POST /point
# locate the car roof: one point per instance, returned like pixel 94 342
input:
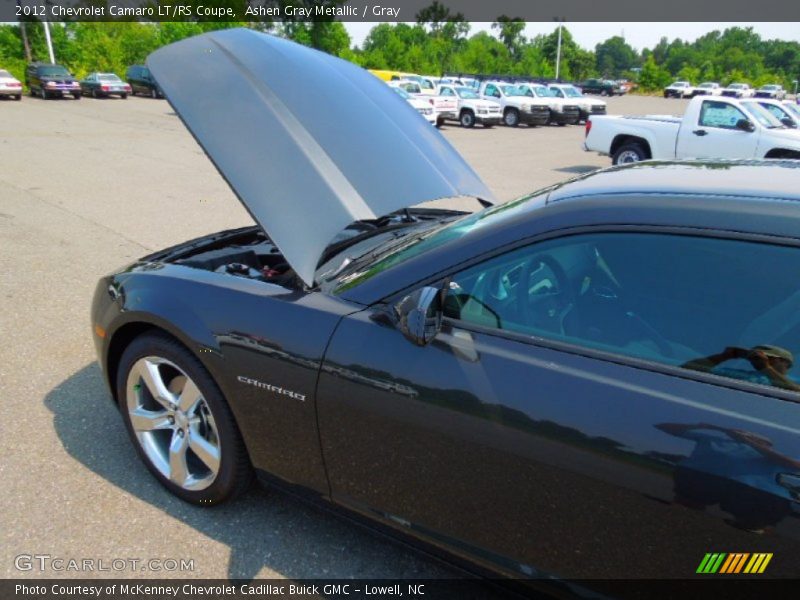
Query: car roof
pixel 760 198
pixel 777 179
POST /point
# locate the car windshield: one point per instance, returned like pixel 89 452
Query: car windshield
pixel 4 73
pixel 540 90
pixel 54 71
pixel 793 108
pixel 680 84
pixel 511 90
pixel 467 93
pixel 736 86
pixel 707 85
pixel 413 245
pixel 572 92
pixel 401 92
pixel 769 87
pixel 762 115
pixel 108 77
pixel 779 112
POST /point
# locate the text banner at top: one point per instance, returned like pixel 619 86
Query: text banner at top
pixel 268 11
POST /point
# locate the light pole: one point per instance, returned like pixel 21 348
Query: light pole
pixel 49 41
pixel 560 21
pixel 46 25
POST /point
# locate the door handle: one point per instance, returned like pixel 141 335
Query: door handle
pixel 700 132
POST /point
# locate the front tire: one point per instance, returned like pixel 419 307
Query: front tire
pixel 154 94
pixel 511 117
pixel 43 94
pixel 180 423
pixel 629 153
pixel 18 97
pixel 467 119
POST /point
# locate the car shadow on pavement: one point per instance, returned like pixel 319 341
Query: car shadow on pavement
pixel 262 528
pixel 578 169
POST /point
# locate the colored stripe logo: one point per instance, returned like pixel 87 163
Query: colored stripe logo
pixel 734 563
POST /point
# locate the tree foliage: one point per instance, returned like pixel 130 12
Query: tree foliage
pixel 438 42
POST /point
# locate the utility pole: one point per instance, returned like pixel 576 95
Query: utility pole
pixel 49 41
pixel 24 33
pixel 558 50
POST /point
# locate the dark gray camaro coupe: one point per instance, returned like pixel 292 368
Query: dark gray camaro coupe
pixel 594 381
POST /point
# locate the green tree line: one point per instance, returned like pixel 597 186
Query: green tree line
pixel 439 42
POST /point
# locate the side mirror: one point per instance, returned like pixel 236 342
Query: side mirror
pixel 745 125
pixel 420 315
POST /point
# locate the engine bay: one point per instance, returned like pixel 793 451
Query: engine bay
pixel 251 253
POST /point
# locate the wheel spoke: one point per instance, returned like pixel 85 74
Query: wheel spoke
pixel 178 470
pixel 149 420
pixel 189 398
pixel 205 450
pixel 151 375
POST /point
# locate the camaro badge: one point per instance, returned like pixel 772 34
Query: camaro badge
pixel 272 388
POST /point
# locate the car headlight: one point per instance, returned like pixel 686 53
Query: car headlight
pixel 526 107
pixel 51 84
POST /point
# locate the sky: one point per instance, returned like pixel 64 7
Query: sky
pixel 638 35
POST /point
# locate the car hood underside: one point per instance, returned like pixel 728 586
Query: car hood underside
pixel 308 142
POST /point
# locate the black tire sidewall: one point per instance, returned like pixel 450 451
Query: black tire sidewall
pixel 470 118
pixel 233 463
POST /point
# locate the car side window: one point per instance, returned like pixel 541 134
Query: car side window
pixel 446 92
pixel 717 306
pixel 492 91
pixel 720 115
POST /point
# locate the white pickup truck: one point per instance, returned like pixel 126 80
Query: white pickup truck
pixel 516 106
pixel 562 111
pixel 711 128
pixel 445 108
pixel 680 89
pixel 471 107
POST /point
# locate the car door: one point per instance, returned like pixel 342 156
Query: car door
pixel 576 414
pixel 716 134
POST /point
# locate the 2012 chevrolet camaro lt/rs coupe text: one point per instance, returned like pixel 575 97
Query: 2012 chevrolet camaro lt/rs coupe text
pixel 599 380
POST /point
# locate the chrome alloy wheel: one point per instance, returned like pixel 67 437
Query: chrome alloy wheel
pixel 629 156
pixel 173 423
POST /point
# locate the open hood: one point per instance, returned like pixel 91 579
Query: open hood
pixel 308 142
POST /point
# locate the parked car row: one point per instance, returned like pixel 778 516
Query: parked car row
pixel 489 102
pixel 48 80
pixel 684 89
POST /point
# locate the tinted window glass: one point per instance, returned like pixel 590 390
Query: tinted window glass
pixel 720 114
pixel 725 307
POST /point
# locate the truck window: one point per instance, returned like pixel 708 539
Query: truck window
pixel 719 114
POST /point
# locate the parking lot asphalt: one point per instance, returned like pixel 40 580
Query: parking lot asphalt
pixel 87 187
